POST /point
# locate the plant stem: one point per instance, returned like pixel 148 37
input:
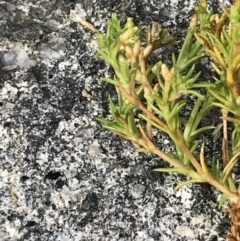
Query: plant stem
pixel 136 103
pixel 175 138
pixel 147 89
pixel 151 147
pixel 221 187
pixel 192 159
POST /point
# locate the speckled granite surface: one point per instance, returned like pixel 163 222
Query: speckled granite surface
pixel 62 176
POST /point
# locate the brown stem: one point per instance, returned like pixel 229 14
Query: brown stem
pixel 147 91
pixel 135 102
pixel 133 78
pixel 220 25
pixel 220 187
pixel 151 148
pixel 231 162
pixel 151 116
pixel 225 156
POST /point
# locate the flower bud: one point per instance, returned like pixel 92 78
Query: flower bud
pixel 166 73
pixel 147 51
pixel 128 51
pixel 194 21
pixel 156 87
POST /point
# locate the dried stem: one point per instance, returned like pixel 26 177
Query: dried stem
pixel 151 147
pixel 182 146
pixel 136 103
pixel 225 156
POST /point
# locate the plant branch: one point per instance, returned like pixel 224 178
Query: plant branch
pixel 150 147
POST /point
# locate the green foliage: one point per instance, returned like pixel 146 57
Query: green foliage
pixel 154 96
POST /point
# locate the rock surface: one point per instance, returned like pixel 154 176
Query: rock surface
pixel 62 176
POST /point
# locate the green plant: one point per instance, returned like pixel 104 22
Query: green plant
pixel 159 94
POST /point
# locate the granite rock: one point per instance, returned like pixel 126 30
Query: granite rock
pixel 62 176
